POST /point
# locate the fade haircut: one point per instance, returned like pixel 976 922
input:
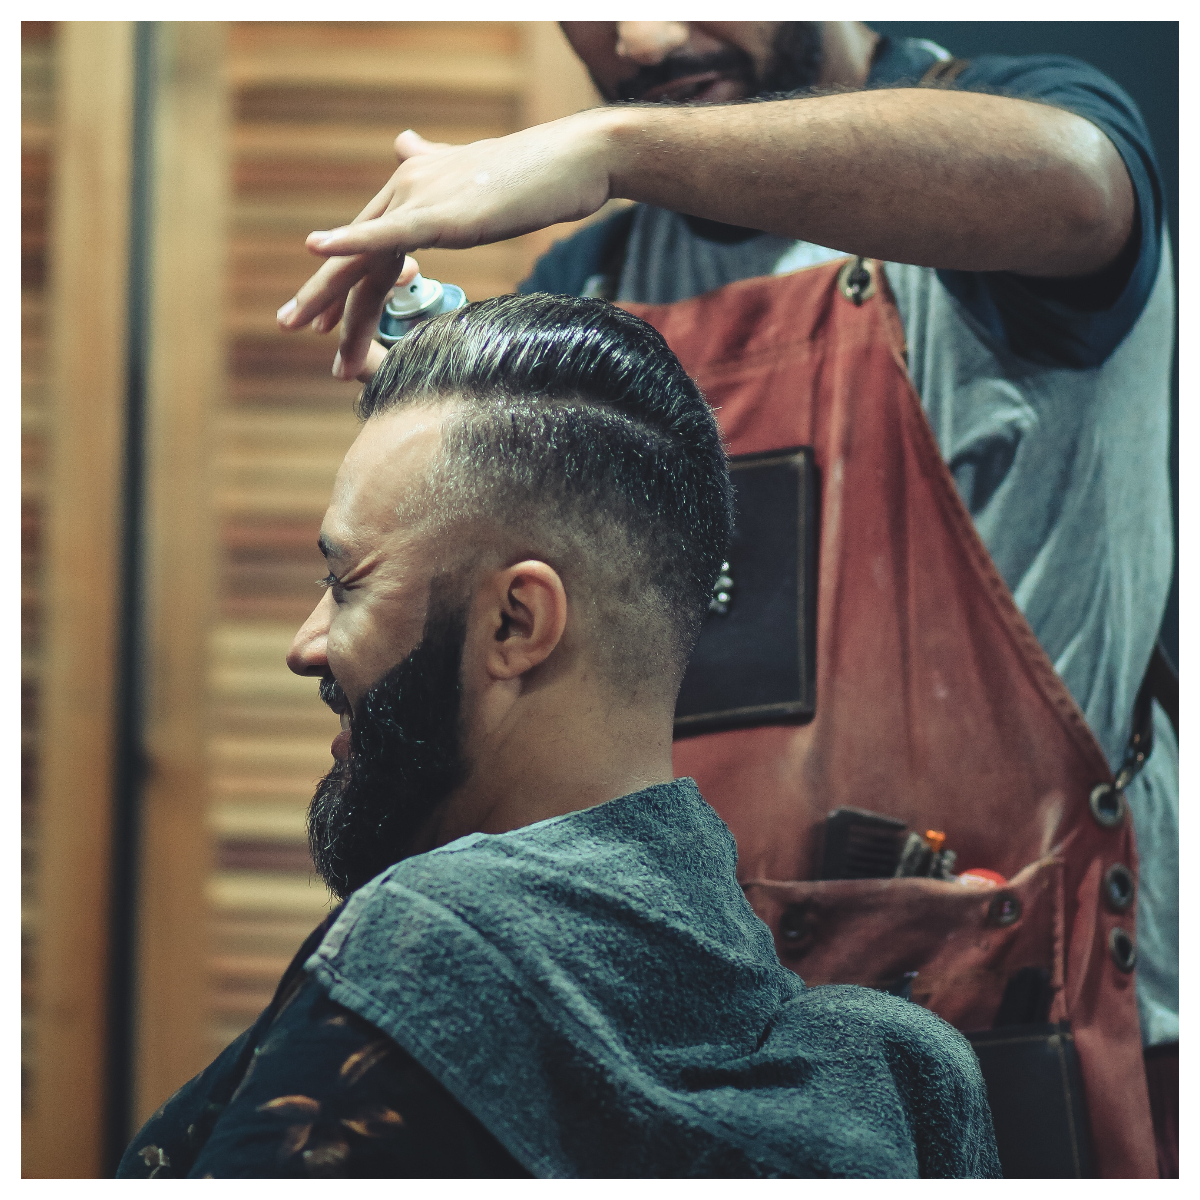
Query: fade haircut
pixel 578 437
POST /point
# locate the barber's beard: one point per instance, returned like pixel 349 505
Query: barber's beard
pixel 405 758
pixel 794 65
pixel 797 55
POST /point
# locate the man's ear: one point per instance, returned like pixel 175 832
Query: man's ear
pixel 526 609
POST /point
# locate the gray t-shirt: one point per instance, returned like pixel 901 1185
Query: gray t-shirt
pixel 1064 470
pixel 1050 401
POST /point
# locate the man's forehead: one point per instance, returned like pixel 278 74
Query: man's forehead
pixel 389 458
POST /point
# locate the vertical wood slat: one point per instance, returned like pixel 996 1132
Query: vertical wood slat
pixel 38 46
pixel 83 507
pixel 185 387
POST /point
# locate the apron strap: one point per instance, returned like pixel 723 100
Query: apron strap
pixel 1164 682
pixel 1160 683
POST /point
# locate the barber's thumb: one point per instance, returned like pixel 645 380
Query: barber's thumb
pixel 410 143
pixel 409 272
pixel 374 360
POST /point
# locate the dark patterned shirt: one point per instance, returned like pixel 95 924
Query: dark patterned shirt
pixel 313 1090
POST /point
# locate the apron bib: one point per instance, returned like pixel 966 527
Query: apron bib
pixel 935 704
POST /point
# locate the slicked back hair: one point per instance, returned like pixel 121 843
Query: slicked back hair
pixel 578 435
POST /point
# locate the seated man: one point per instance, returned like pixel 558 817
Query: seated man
pixel 543 963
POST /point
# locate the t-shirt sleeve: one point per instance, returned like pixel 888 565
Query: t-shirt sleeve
pixel 1071 322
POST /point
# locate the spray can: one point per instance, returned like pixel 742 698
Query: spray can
pixel 417 301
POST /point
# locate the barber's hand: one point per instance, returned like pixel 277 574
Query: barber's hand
pixel 376 279
pixel 376 353
pixel 452 197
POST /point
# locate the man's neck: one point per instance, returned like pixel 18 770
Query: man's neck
pixel 554 759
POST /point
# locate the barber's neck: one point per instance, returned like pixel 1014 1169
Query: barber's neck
pixel 564 742
pixel 847 49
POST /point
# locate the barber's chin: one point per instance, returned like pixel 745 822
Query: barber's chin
pixel 340 746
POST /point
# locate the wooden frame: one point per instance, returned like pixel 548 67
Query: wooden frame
pixel 62 1136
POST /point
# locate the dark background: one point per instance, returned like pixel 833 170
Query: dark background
pixel 1143 57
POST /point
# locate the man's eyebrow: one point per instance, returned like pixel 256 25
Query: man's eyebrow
pixel 329 548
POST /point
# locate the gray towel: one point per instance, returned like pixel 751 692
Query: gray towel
pixel 597 990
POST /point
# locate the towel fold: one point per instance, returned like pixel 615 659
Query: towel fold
pixel 597 990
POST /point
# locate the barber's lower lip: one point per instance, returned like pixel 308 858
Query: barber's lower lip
pixel 685 87
pixel 340 746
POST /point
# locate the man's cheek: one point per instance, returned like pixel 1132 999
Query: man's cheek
pixel 350 655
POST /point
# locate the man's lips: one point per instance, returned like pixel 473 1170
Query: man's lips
pixel 704 86
pixel 340 746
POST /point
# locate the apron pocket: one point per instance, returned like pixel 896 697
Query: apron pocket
pixel 965 944
pixel 983 959
pixel 1036 1095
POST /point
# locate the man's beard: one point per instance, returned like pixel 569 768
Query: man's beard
pixel 405 758
pixel 794 65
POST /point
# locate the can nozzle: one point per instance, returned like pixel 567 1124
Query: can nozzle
pixel 415 302
pixel 418 295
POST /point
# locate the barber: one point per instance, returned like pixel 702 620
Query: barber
pixel 974 675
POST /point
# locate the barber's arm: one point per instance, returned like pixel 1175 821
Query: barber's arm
pixel 940 178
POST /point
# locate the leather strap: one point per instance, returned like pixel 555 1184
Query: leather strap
pixel 1163 679
pixel 1160 683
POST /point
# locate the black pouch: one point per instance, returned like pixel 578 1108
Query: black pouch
pixel 755 661
pixel 1036 1095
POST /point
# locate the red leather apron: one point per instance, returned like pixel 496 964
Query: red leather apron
pixel 935 704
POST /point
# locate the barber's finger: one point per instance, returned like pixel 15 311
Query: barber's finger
pixel 377 205
pixel 410 143
pixel 409 272
pixel 375 208
pixel 392 232
pixel 333 314
pixel 327 286
pixel 327 320
pixel 375 356
pixel 360 320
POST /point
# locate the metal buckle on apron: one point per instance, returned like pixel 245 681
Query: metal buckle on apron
pixel 856 281
pixel 1107 800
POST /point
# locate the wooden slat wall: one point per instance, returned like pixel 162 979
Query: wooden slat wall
pixel 315 109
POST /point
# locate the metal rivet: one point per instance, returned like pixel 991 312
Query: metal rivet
pixel 1005 909
pixel 797 930
pixel 856 281
pixel 1122 949
pixel 1118 887
pixel 1107 805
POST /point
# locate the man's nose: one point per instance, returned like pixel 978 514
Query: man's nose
pixel 649 42
pixel 307 653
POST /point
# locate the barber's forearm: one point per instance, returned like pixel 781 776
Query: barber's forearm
pixel 942 179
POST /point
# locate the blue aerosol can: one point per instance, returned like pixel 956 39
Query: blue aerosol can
pixel 417 301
